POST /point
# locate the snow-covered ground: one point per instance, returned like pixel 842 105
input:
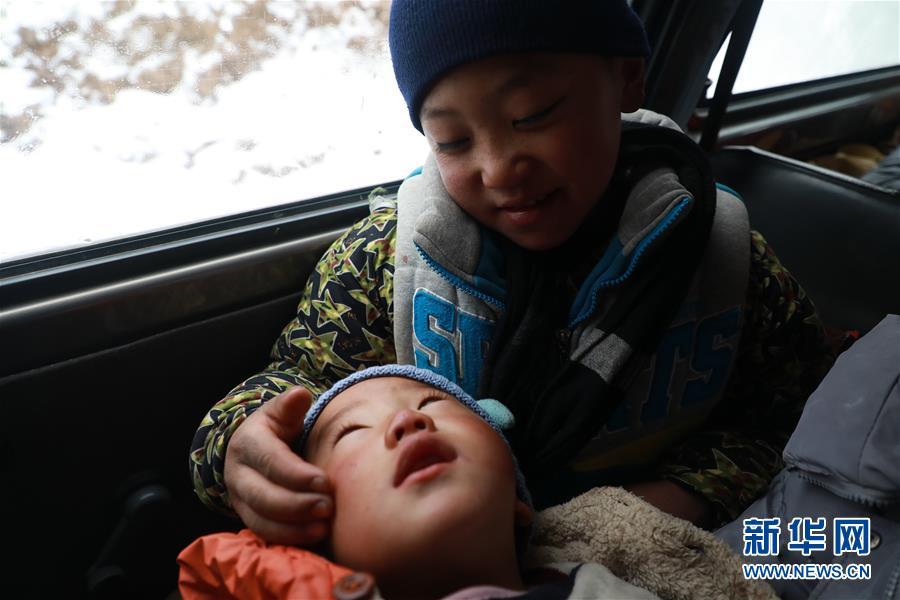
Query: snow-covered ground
pixel 126 117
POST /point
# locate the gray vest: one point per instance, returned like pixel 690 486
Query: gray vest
pixel 448 295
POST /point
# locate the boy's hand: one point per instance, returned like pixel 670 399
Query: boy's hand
pixel 672 498
pixel 279 496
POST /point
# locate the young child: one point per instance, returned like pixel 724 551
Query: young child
pixel 430 503
pixel 575 263
pixel 428 498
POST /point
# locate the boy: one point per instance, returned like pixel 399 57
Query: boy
pixel 430 503
pixel 581 268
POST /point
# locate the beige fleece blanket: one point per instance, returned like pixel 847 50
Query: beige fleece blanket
pixel 642 545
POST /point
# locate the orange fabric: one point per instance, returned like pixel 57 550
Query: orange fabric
pixel 241 565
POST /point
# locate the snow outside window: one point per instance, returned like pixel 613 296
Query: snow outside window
pixel 124 117
pixel 804 40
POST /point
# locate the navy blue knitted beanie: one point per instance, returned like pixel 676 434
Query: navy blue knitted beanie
pixel 430 37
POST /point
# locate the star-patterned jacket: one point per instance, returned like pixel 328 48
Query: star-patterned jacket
pixel 344 323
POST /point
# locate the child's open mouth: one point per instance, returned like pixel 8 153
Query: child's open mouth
pixel 530 211
pixel 422 458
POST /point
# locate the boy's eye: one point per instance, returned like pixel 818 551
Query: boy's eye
pixel 451 146
pixel 538 116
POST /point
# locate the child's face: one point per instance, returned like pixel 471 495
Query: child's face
pixel 415 473
pixel 526 144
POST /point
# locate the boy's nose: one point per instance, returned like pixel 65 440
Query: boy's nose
pixel 405 423
pixel 503 170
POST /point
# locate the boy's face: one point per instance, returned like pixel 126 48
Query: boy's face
pixel 415 473
pixel 526 144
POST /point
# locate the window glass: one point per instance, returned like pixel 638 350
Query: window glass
pixel 804 40
pixel 122 117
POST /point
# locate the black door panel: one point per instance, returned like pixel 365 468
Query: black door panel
pixel 80 435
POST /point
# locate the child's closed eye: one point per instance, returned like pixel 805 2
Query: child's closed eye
pixel 430 400
pixel 345 430
pixel 539 116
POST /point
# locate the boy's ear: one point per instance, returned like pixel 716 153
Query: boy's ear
pixel 524 514
pixel 632 72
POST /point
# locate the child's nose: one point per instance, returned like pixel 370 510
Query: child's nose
pixel 405 423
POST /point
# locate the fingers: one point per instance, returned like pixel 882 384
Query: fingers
pixel 278 495
pixel 281 532
pixel 286 411
pixel 275 461
pixel 297 515
pixel 262 445
pixel 281 515
pixel 276 503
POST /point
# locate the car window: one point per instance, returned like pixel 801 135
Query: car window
pixel 123 117
pixel 804 40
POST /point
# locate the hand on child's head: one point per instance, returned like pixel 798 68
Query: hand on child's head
pixel 279 496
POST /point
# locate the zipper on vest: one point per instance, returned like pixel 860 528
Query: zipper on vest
pixel 632 265
pixel 456 281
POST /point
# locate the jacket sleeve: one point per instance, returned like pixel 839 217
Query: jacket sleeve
pixel 240 565
pixel 344 323
pixel 782 356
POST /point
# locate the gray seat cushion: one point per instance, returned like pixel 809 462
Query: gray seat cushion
pixel 839 236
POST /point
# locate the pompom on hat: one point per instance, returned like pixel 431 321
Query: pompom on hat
pixel 430 37
pixel 493 412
